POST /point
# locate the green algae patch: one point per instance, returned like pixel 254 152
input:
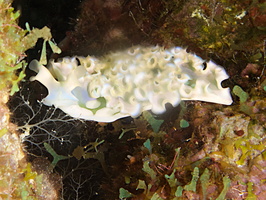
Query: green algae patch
pixel 238 91
pixel 14 41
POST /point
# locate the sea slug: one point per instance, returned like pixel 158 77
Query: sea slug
pixel 126 83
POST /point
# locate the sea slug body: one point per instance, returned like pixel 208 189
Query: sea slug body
pixel 126 83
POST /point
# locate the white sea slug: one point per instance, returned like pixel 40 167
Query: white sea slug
pixel 126 83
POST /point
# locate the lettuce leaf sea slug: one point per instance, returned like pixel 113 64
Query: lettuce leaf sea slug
pixel 128 82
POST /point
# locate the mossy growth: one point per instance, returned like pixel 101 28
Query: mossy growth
pixel 166 182
pixel 227 28
pixel 14 41
pixel 11 47
pixel 18 179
